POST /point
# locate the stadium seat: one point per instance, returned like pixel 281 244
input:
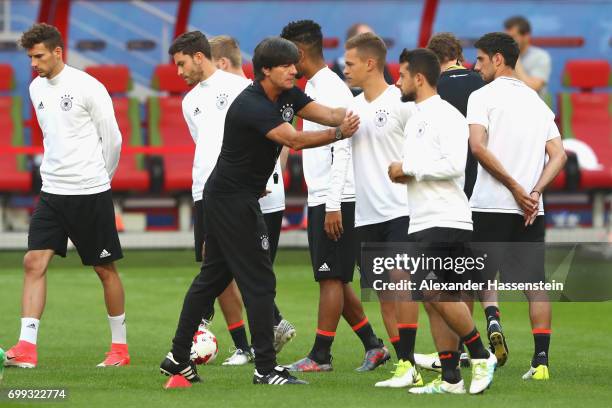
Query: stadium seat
pixel 586 115
pixel 167 127
pixel 130 175
pixel 14 177
pixel 247 68
pixel 394 70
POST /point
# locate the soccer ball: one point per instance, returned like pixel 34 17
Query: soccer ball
pixel 204 348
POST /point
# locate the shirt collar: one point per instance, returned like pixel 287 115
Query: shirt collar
pixel 56 79
pixel 428 102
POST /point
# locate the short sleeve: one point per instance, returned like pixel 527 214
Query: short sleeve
pixel 477 110
pixel 540 67
pixel 298 98
pixel 553 131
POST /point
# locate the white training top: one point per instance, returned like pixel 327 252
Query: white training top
pixel 81 138
pixel 518 124
pixel 204 109
pixel 378 142
pixel 275 201
pixel 327 169
pixel 434 153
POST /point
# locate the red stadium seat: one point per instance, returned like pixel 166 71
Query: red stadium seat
pixel 167 127
pixel 130 175
pixel 247 68
pixel 586 115
pixel 394 70
pixel 13 174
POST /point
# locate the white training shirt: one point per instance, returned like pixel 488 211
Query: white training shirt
pixel 434 153
pixel 204 109
pixel 378 142
pixel 518 124
pixel 327 169
pixel 81 138
pixel 275 200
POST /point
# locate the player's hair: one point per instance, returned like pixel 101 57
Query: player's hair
pixel 352 30
pixel 305 32
pixel 190 43
pixel 273 52
pixel 446 47
pixel 42 33
pixel 224 46
pixel 519 22
pixel 499 43
pixel 370 45
pixel 422 61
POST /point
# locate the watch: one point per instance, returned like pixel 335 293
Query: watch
pixel 339 135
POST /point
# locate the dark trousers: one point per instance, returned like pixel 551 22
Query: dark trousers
pixel 237 247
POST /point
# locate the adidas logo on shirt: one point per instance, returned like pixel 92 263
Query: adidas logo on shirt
pixel 196 112
pixel 41 106
pixel 104 253
pixel 324 268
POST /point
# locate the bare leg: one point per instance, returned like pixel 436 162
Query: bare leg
pixel 35 265
pixel 114 296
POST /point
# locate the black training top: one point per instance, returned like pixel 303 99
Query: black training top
pixel 455 86
pixel 248 157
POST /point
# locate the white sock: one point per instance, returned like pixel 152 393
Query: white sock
pixel 29 329
pixel 118 330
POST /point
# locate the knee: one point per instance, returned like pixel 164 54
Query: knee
pixel 34 264
pixel 106 271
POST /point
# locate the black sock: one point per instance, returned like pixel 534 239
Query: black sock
pixel 407 335
pixel 395 343
pixel 473 342
pixel 541 341
pixel 492 313
pixel 321 350
pixel 450 366
pixel 461 348
pixel 238 333
pixel 277 315
pixel 364 331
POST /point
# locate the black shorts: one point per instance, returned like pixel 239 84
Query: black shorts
pixel 88 220
pixel 442 245
pixel 273 222
pixel 332 260
pixel 395 230
pixel 515 251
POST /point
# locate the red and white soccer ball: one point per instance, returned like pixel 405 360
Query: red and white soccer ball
pixel 204 348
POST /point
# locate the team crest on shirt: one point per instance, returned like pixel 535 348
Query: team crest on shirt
pixel 66 102
pixel 221 101
pixel 265 242
pixel 381 117
pixel 287 112
pixel 421 129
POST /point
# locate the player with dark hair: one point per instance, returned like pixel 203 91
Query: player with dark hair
pixel 331 213
pixel 432 168
pixel 204 110
pixel 511 133
pixel 82 146
pixel 455 85
pixel 257 124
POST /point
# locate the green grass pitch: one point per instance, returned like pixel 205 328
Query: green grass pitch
pixel 74 335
